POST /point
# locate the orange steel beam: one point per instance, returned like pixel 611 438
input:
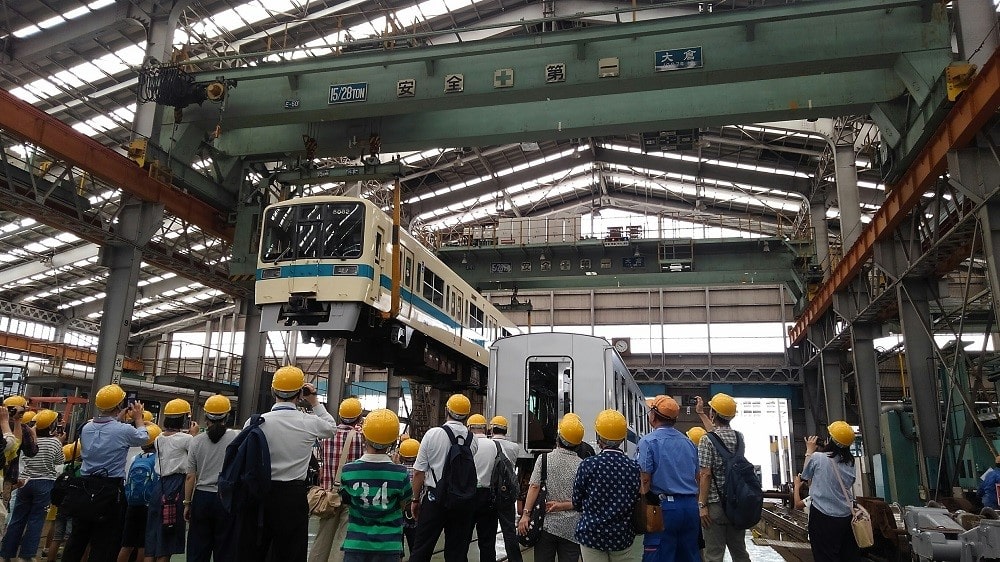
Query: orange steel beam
pixel 969 115
pixel 17 342
pixel 30 124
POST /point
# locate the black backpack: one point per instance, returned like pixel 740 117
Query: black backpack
pixel 457 486
pixel 246 471
pixel 503 483
pixel 742 496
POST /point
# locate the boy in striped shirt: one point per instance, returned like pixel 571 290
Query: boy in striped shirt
pixel 375 491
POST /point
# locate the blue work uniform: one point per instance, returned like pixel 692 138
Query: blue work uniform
pixel 671 460
pixel 988 490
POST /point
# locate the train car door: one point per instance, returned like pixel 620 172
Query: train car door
pixel 406 298
pixel 457 306
pixel 377 261
pixel 549 395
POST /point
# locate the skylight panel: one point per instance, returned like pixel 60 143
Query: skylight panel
pixel 76 12
pixel 90 132
pixel 25 95
pixel 27 31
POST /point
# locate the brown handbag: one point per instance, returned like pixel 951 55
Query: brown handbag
pixel 646 515
pixel 324 502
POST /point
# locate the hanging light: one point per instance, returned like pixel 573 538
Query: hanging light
pixel 636 254
pixel 541 257
pixel 465 258
pixel 766 247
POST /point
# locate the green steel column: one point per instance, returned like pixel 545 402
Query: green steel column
pixel 866 377
pixel 914 318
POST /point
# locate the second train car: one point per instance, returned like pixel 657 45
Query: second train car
pixel 537 378
pixel 325 269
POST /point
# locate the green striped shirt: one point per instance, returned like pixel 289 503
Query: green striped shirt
pixel 375 490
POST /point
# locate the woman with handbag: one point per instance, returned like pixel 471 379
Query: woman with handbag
pixel 165 528
pixel 39 474
pixel 211 534
pixel 550 498
pixel 830 473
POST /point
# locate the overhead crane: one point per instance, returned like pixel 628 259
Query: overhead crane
pixel 966 119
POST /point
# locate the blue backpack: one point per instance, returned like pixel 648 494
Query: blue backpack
pixel 246 471
pixel 141 480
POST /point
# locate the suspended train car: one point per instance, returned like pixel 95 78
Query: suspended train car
pixel 325 270
pixel 537 378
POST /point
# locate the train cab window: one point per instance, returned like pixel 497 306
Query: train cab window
pixel 475 317
pixel 330 230
pixel 543 401
pixel 504 333
pixel 408 273
pixel 433 289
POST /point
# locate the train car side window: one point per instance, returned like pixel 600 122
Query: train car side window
pixel 408 273
pixel 475 317
pixel 378 245
pixel 433 289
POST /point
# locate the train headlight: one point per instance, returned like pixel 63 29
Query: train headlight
pixel 345 270
pixel 271 273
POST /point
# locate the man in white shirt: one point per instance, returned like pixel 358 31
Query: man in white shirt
pixel 291 434
pixel 505 513
pixel 430 512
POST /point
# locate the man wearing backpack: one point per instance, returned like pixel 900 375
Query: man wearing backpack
pixel 283 534
pixel 446 466
pixel 507 509
pixel 496 486
pixel 719 532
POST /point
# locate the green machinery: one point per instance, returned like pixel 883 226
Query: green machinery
pixel 972 433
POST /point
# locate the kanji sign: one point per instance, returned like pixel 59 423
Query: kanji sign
pixel 555 72
pixel 406 88
pixel 677 59
pixel 454 83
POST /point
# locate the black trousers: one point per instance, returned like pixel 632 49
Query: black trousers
pixel 486 525
pixel 282 533
pixel 457 525
pixel 103 533
pixel 508 527
pixel 831 538
pixel 549 547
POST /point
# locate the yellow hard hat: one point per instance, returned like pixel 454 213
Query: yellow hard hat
pixel 287 381
pixel 696 433
pixel 571 429
pixel 177 407
pixel 724 405
pixel 154 431
pixel 611 425
pixel 409 448
pixel 217 407
pixel 574 416
pixel 841 433
pixel 350 409
pixel 27 416
pixel 16 401
pixel 72 451
pixel 381 428
pixel 476 419
pixel 498 422
pixel 459 405
pixel 109 397
pixel 45 418
pixel 147 416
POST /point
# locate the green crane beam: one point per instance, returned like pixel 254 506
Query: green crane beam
pixel 802 60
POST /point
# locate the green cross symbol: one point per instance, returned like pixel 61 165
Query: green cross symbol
pixel 503 78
